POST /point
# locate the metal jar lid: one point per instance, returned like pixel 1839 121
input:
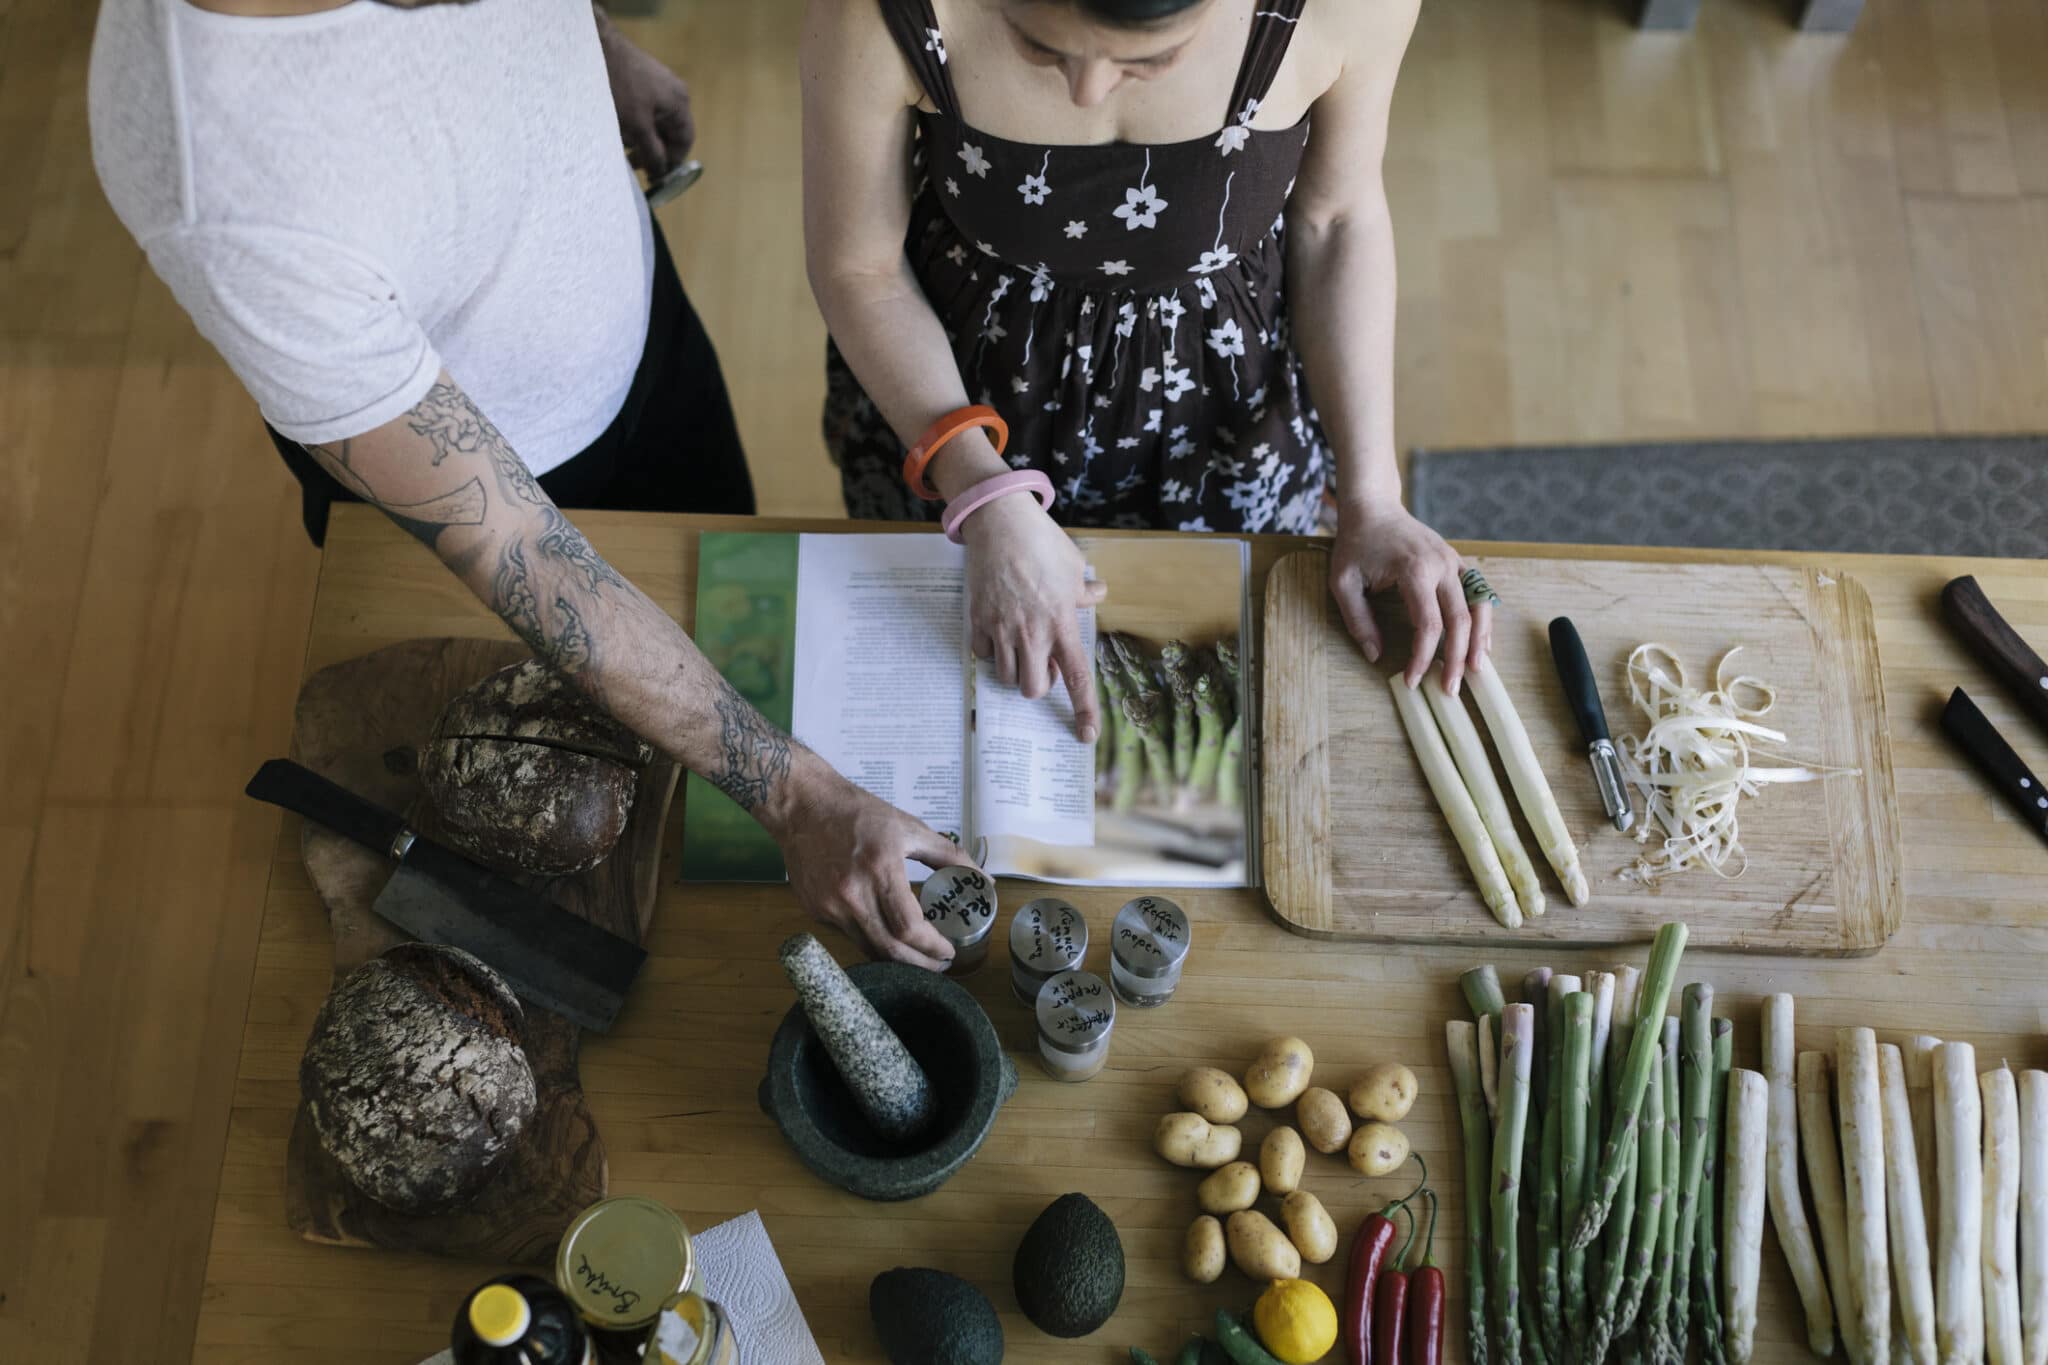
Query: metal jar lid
pixel 622 1259
pixel 1149 937
pixel 1075 1012
pixel 1048 935
pixel 960 902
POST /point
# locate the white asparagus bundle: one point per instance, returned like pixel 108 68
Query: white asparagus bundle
pixel 1862 1124
pixel 1919 1052
pixel 1781 1175
pixel 1489 1066
pixel 1468 752
pixel 1817 1148
pixel 1959 1236
pixel 1742 1209
pixel 1456 803
pixel 1525 775
pixel 2034 1216
pixel 2001 1217
pixel 1912 1273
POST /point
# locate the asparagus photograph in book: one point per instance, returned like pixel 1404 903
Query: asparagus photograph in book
pixel 859 645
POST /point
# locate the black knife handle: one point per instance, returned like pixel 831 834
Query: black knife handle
pixel 298 788
pixel 1971 615
pixel 1980 739
pixel 1575 671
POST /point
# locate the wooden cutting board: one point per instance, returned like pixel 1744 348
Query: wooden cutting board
pixel 360 723
pixel 1355 846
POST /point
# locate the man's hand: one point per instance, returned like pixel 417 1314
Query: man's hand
pixel 653 104
pixel 845 852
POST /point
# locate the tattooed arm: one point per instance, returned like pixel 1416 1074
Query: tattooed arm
pixel 444 473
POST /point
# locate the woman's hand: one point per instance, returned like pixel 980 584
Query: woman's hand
pixel 1026 580
pixel 1382 546
pixel 845 851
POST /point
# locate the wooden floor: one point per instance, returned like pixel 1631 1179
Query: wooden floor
pixel 1603 235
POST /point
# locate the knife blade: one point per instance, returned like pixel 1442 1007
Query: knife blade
pixel 552 958
pixel 1981 626
pixel 1974 733
pixel 1575 671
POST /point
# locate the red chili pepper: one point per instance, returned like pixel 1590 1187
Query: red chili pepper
pixel 1426 1303
pixel 1390 1305
pixel 1361 1274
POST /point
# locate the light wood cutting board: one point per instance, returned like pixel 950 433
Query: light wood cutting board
pixel 1356 848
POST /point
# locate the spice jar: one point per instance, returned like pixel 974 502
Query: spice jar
pixel 692 1330
pixel 1075 1015
pixel 1047 937
pixel 620 1261
pixel 960 902
pixel 1148 945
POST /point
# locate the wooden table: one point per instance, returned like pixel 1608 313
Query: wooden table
pixel 673 1086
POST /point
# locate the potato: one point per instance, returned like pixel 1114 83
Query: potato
pixel 1324 1120
pixel 1280 1073
pixel 1386 1093
pixel 1261 1250
pixel 1202 1257
pixel 1191 1140
pixel 1309 1227
pixel 1213 1094
pixel 1229 1188
pixel 1281 1157
pixel 1378 1149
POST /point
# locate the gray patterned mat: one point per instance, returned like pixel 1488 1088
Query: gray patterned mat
pixel 1966 495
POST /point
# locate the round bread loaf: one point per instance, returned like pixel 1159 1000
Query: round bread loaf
pixel 415 1077
pixel 528 775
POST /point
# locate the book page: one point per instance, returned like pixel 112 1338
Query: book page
pixel 881 679
pixel 1032 777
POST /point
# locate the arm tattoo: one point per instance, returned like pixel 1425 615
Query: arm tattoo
pixel 755 754
pixel 563 541
pixel 455 426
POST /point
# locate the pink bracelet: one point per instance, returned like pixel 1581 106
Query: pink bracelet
pixel 988 490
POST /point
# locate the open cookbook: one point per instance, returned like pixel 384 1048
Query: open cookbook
pixel 859 646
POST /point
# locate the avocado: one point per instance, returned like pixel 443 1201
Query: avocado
pixel 1070 1268
pixel 927 1317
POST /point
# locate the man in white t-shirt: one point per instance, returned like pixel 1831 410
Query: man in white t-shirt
pixel 410 228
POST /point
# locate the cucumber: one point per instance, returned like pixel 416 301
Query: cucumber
pixel 1240 1345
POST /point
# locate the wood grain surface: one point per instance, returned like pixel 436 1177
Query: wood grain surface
pixel 1356 847
pixel 361 722
pixel 673 1085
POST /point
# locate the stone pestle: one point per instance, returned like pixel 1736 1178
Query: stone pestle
pixel 891 1088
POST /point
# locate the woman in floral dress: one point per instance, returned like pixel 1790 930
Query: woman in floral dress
pixel 1107 219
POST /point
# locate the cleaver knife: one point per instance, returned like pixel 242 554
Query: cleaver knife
pixel 1582 691
pixel 1976 736
pixel 551 958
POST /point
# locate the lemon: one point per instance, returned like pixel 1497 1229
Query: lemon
pixel 1296 1321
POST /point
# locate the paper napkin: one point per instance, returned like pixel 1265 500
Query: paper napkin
pixel 743 1275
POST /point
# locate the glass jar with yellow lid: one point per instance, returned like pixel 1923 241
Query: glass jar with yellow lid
pixel 621 1260
pixel 692 1330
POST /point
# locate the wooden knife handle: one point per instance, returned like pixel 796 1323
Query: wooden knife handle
pixel 1974 733
pixel 1971 615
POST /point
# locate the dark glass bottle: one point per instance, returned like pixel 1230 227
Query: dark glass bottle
pixel 518 1320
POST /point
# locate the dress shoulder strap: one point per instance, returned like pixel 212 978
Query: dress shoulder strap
pixel 1273 25
pixel 916 31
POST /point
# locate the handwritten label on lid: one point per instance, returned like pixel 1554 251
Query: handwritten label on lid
pixel 1075 1009
pixel 959 901
pixel 1048 935
pixel 1150 933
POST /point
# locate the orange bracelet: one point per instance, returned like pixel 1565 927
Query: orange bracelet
pixel 943 430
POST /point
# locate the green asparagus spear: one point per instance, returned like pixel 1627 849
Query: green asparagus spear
pixel 1504 1188
pixel 1549 1187
pixel 1606 1308
pixel 1651 1189
pixel 1656 1322
pixel 1600 985
pixel 1695 1083
pixel 1462 1040
pixel 1482 990
pixel 1656 995
pixel 1130 757
pixel 1180 666
pixel 1147 714
pixel 1226 659
pixel 1210 731
pixel 1230 766
pixel 1709 1237
pixel 1571 1169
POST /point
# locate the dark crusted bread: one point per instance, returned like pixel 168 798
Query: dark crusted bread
pixel 415 1077
pixel 528 775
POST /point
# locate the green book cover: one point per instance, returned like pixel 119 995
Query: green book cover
pixel 746 626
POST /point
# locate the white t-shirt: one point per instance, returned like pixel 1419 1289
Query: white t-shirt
pixel 349 202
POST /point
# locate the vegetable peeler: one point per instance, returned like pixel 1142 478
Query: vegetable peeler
pixel 1575 671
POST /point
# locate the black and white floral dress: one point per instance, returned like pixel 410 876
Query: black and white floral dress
pixel 1121 306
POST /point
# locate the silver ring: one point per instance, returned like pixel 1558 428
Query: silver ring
pixel 1477 590
pixel 401 844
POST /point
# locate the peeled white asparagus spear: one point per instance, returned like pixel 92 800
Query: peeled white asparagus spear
pixel 1919 1054
pixel 2034 1216
pixel 1468 752
pixel 2001 1217
pixel 1518 756
pixel 1912 1272
pixel 1822 1157
pixel 1456 802
pixel 1742 1209
pixel 1781 1175
pixel 1959 1233
pixel 1862 1123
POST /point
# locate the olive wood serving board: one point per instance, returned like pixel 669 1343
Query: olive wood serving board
pixel 1355 846
pixel 360 722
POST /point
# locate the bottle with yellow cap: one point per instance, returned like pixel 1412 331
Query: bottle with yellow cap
pixel 519 1320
